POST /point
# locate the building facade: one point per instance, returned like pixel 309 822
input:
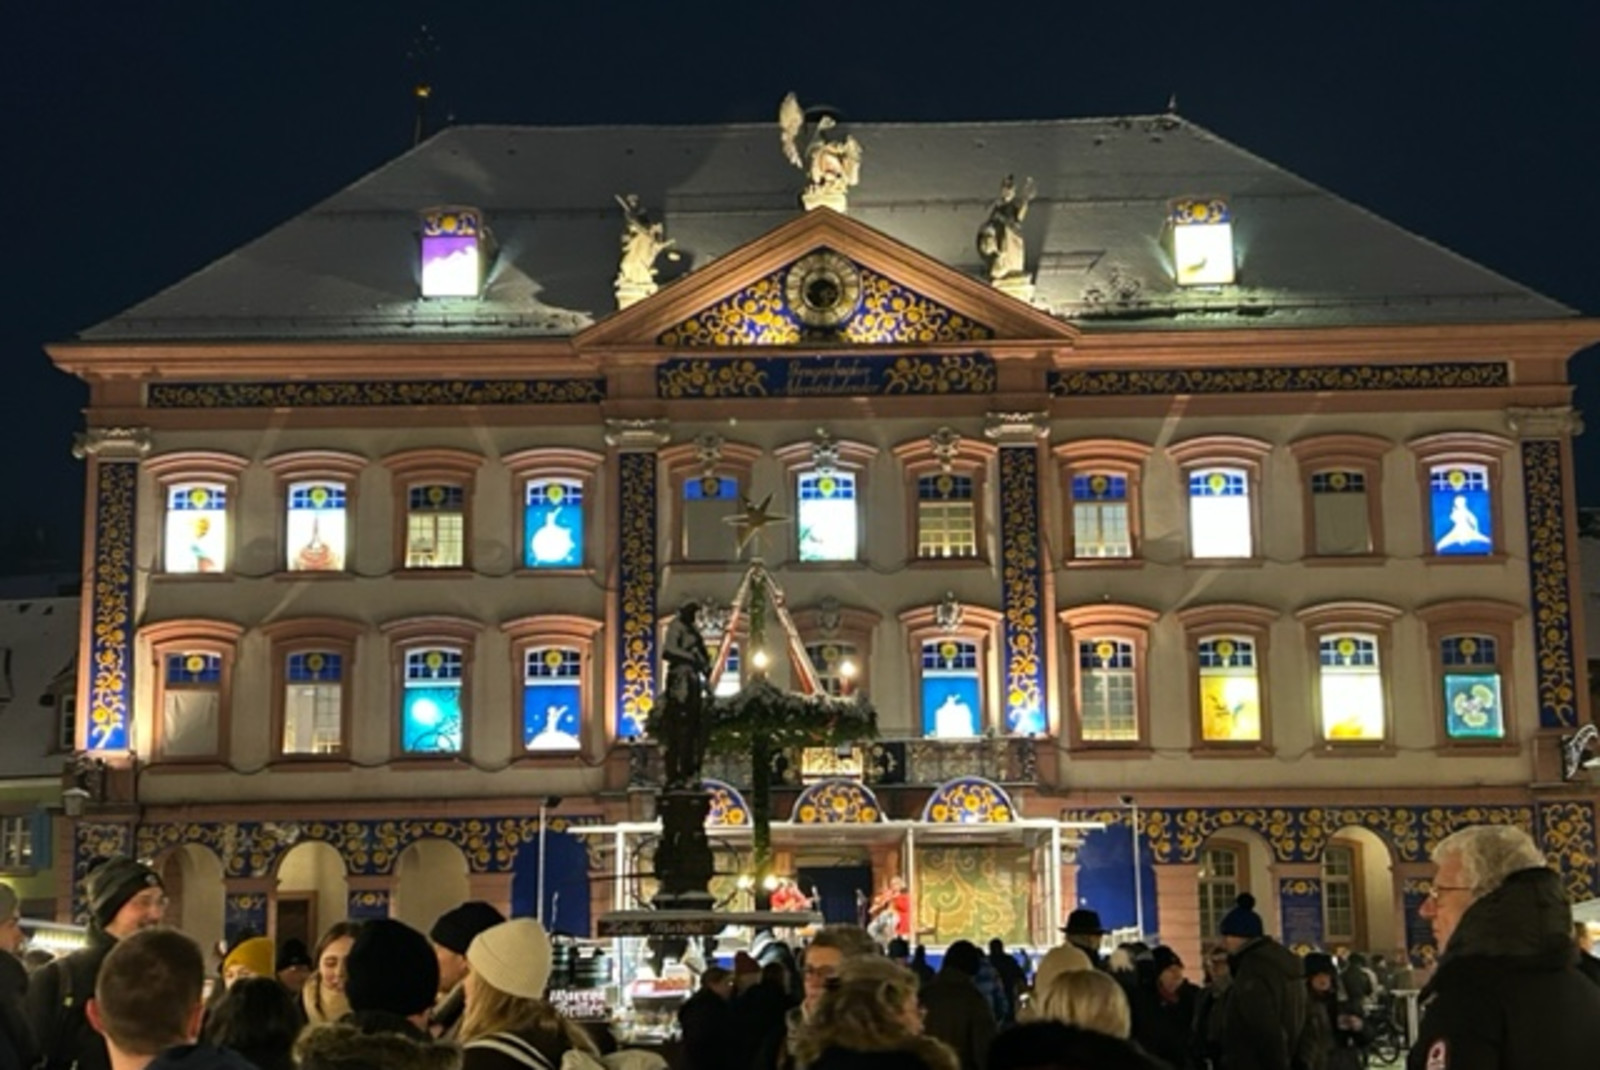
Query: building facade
pixel 1193 532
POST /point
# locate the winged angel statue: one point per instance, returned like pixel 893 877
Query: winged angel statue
pixel 832 166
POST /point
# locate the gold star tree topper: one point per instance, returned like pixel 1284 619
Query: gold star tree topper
pixel 751 521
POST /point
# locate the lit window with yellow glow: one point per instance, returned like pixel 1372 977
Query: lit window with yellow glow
pixel 197 528
pixel 1108 705
pixel 1202 241
pixel 1351 688
pixel 1230 691
pixel 452 252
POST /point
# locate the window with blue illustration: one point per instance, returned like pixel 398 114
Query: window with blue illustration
pixel 827 520
pixel 552 698
pixel 1351 688
pixel 1108 691
pixel 1460 503
pixel 731 678
pixel 707 503
pixel 313 703
pixel 553 523
pixel 197 528
pixel 1230 690
pixel 315 528
pixel 430 706
pixel 952 689
pixel 947 524
pixel 1100 526
pixel 1472 695
pixel 436 526
pixel 191 704
pixel 1219 513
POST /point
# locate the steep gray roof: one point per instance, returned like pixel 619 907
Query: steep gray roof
pixel 348 267
pixel 38 644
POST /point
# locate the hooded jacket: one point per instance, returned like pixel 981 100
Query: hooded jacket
pixel 1507 994
pixel 1264 1018
pixel 348 1046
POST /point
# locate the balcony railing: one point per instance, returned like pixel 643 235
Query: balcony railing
pixel 882 762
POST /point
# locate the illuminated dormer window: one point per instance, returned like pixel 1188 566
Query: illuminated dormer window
pixel 1202 241
pixel 454 252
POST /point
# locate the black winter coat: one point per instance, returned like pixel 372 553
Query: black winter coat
pixel 18 1050
pixel 1264 1018
pixel 57 992
pixel 1162 1028
pixel 1507 994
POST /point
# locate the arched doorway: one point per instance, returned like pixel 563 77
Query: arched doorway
pixel 430 877
pixel 1360 910
pixel 313 893
pixel 192 876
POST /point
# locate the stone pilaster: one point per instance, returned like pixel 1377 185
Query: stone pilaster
pixel 1178 907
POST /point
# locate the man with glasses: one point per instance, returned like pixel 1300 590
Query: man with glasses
pixel 124 896
pixel 827 951
pixel 1507 994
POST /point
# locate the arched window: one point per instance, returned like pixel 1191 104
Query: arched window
pixel 317 489
pixel 197 495
pixel 1107 646
pixel 555 489
pixel 1222 475
pixel 945 476
pixel 433 489
pixel 433 661
pixel 1101 479
pixel 1350 649
pixel 1460 475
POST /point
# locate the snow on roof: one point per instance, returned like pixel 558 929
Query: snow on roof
pixel 38 646
pixel 348 268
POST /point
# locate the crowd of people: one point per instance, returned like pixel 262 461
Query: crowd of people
pixel 1515 988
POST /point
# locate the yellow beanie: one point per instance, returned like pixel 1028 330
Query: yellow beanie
pixel 254 955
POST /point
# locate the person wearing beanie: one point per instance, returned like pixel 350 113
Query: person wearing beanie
pixel 508 1024
pixel 1163 1004
pixel 451 935
pixel 251 958
pixel 124 896
pixel 1264 1023
pixel 294 966
pixel 391 979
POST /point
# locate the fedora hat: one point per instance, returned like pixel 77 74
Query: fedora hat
pixel 1083 922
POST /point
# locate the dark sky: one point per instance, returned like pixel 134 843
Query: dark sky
pixel 147 139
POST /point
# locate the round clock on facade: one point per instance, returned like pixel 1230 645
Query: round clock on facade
pixel 822 289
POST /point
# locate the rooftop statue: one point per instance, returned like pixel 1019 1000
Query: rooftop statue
pixel 1000 240
pixel 642 242
pixel 831 165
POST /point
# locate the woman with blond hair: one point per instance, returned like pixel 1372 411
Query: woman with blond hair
pixel 508 1024
pixel 868 1018
pixel 1088 999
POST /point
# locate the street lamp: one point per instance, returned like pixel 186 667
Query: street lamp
pixel 546 804
pixel 1138 879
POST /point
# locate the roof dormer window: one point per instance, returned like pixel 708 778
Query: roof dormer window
pixel 454 252
pixel 1202 241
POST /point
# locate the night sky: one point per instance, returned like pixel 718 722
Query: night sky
pixel 148 139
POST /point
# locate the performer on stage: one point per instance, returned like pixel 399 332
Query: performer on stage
pixel 891 912
pixel 787 896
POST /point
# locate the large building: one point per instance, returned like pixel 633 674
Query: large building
pixel 1180 518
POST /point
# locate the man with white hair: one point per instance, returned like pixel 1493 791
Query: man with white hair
pixel 1507 994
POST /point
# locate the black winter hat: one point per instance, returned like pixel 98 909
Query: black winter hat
pixel 1318 962
pixel 114 881
pixel 391 967
pixel 1242 920
pixel 457 928
pixel 293 952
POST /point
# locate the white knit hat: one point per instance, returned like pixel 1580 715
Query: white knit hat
pixel 513 957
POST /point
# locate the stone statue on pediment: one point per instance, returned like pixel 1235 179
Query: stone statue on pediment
pixel 643 242
pixel 831 164
pixel 1000 240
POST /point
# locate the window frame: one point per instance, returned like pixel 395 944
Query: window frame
pixel 585 635
pixel 681 463
pixel 192 635
pixel 968 457
pixel 1330 618
pixel 844 625
pixel 1122 622
pixel 559 463
pixel 1222 620
pixel 423 467
pixel 1341 452
pixel 410 634
pixel 854 459
pixel 1473 616
pixel 1241 881
pixel 302 635
pixel 1357 884
pixel 1464 448
pixel 23 830
pixel 1223 451
pixel 197 466
pixel 1112 456
pixel 322 466
pixel 978 624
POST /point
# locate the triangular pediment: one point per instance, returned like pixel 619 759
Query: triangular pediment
pixel 829 279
